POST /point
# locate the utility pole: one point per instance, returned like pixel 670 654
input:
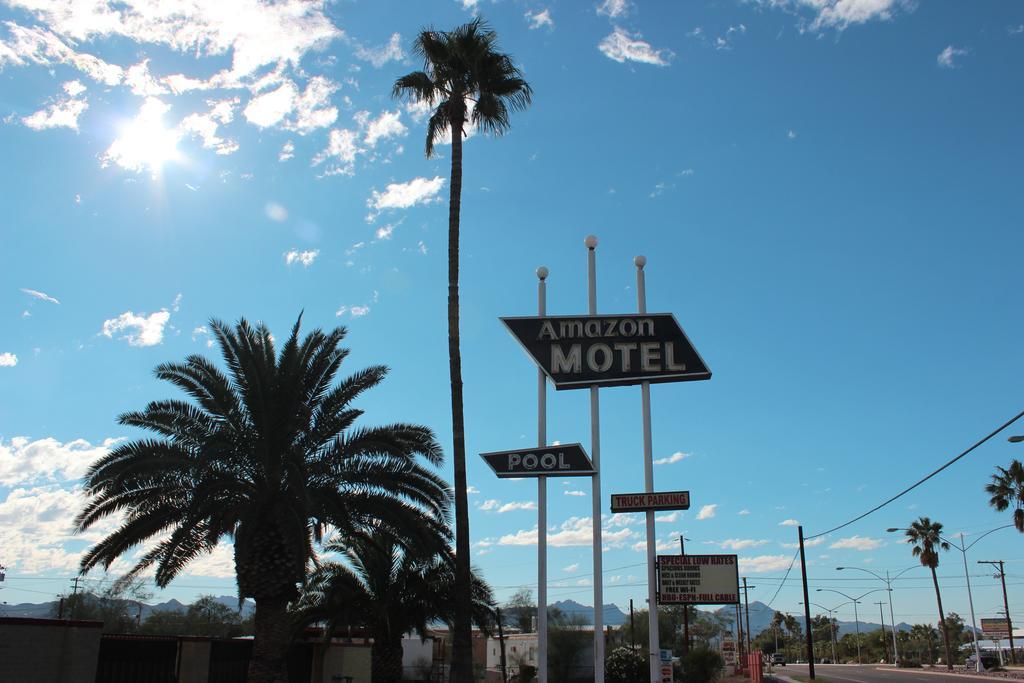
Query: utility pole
pixel 1006 604
pixel 632 627
pixel 881 615
pixel 501 645
pixel 807 605
pixel 747 610
pixel 74 595
pixel 739 633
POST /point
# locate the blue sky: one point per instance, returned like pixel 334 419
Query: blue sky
pixel 827 192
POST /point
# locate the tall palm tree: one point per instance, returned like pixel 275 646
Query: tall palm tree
pixel 460 67
pixel 391 591
pixel 1006 489
pixel 266 455
pixel 926 536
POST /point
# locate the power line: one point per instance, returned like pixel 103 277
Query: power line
pixel 783 583
pixel 914 486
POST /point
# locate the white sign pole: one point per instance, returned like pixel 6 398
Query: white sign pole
pixel 595 455
pixel 654 642
pixel 542 502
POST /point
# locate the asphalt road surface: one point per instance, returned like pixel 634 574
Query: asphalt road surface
pixel 847 673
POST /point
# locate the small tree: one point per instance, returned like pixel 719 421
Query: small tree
pixel 701 665
pixel 625 665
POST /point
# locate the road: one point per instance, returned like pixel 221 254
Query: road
pixel 848 673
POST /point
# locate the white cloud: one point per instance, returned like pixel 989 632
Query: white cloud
pixel 138 330
pixel 472 489
pixel 539 19
pixel 675 457
pixel 744 512
pixel 43 296
pixel 312 108
pixel 575 531
pixel 254 33
pixel 947 58
pixel 510 507
pixel 809 543
pixel 789 522
pixel 387 125
pixel 741 543
pixel 276 212
pixel 306 258
pixel 405 195
pixel 353 311
pixel 488 505
pixel 791 134
pixel 571 568
pixel 708 511
pixel 623 519
pixel 141 82
pixel 341 150
pixel 44 47
pixel 613 8
pixel 204 126
pixel 379 56
pixel 270 108
pixel 764 563
pixel 668 518
pixel 62 113
pixel 621 46
pixel 287 151
pixel 8 360
pixel 861 543
pixel 573 492
pixel 842 13
pixel 385 232
pixel 24 462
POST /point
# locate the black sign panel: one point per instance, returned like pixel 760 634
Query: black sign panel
pixel 641 502
pixel 609 350
pixel 564 460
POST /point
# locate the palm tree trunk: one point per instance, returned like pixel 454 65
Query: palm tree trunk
pixel 462 637
pixel 942 621
pixel 270 644
pixel 386 660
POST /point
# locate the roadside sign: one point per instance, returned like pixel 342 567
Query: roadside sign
pixel 995 628
pixel 666 666
pixel 698 580
pixel 641 502
pixel 729 651
pixel 576 352
pixel 563 460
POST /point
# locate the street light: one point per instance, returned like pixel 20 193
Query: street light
pixel 831 624
pixel 856 617
pixel 888 584
pixel 1016 438
pixel 963 548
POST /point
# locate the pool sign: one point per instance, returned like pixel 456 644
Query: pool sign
pixel 698 580
pixel 576 352
pixel 641 502
pixel 563 460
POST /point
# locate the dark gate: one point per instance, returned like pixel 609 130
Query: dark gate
pixel 229 661
pixel 137 659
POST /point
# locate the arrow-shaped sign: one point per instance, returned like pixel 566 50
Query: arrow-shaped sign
pixel 564 460
pixel 609 350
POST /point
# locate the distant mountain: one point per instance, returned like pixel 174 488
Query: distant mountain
pixel 612 615
pixel 761 616
pixel 48 610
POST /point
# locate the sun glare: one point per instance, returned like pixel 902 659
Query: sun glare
pixel 144 142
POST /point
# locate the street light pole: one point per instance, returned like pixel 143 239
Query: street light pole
pixel 856 616
pixel 888 585
pixel 963 548
pixel 831 628
pixel 881 615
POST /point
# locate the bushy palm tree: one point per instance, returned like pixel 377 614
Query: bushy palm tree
pixel 926 536
pixel 390 590
pixel 1007 489
pixel 267 455
pixel 461 67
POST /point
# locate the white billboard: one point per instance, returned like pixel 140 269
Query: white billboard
pixel 698 580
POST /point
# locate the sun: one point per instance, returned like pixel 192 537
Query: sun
pixel 144 142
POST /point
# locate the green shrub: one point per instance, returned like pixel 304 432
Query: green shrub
pixel 701 665
pixel 624 665
pixel 909 664
pixel 527 673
